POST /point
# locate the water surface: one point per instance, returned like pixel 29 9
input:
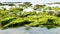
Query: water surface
pixel 32 30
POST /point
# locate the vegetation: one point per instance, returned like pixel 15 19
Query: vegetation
pixel 16 17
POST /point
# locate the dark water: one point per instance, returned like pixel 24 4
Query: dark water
pixel 32 30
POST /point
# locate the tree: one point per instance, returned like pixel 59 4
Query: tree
pixel 25 5
pixel 11 4
pixel 38 7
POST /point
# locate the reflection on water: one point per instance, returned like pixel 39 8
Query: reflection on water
pixel 32 30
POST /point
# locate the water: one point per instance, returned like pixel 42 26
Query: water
pixel 32 30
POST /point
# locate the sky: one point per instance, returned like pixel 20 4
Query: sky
pixel 33 1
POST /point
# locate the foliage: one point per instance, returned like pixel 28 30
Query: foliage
pixel 15 17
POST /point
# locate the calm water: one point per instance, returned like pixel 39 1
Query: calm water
pixel 32 30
